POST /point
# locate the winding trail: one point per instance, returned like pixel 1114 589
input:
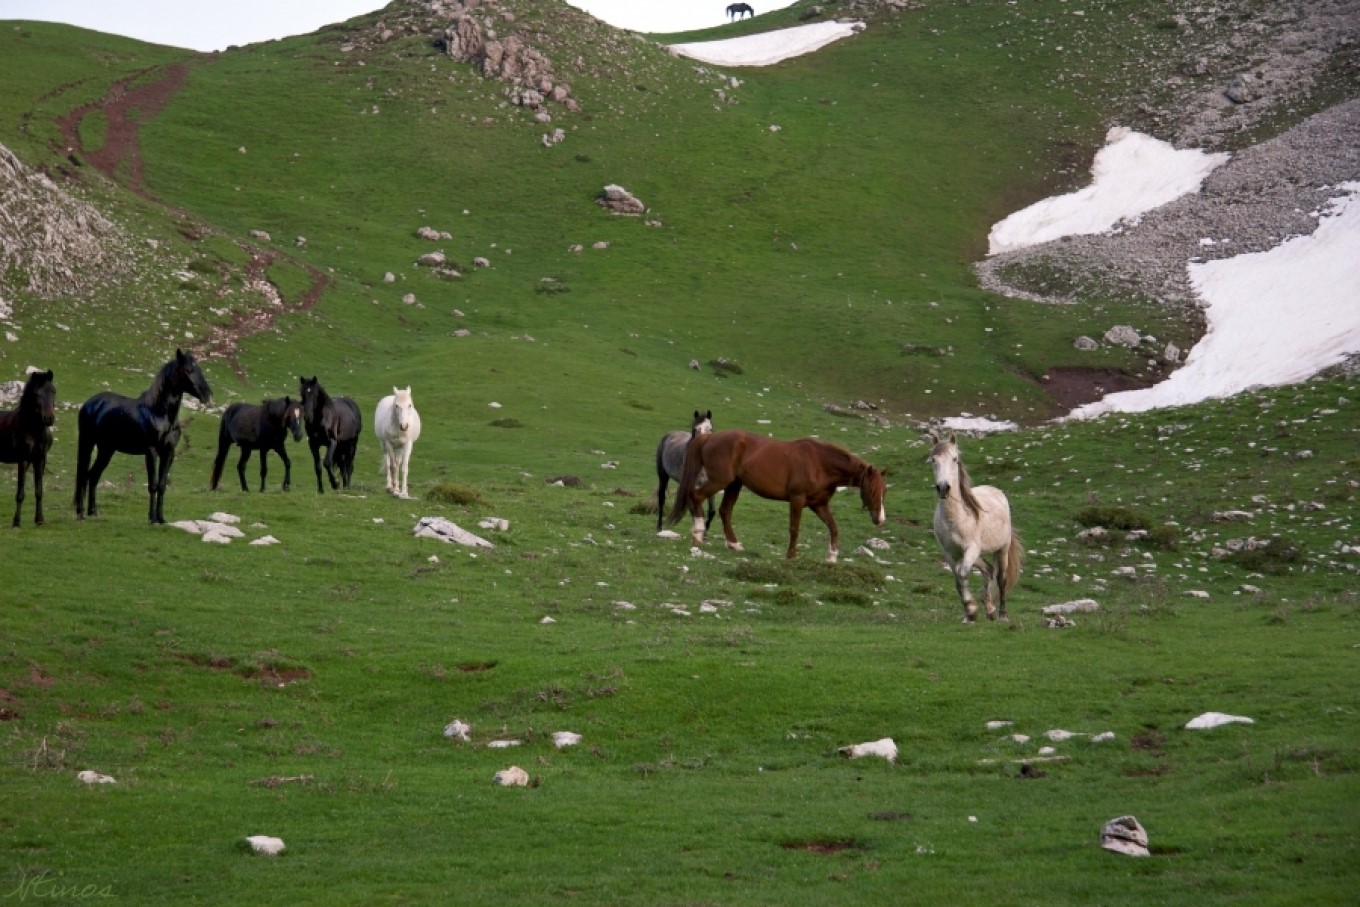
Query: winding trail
pixel 128 104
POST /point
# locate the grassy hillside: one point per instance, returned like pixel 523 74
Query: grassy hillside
pixel 301 690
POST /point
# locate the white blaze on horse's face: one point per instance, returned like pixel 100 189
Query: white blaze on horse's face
pixel 944 460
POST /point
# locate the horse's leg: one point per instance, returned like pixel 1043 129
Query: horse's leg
pixel 152 485
pixel 19 494
pixel 241 467
pixel 662 480
pixel 795 520
pixel 162 480
pixel 405 468
pixel 264 468
pixel 223 448
pixel 833 551
pixel 988 587
pixel 711 511
pixel 963 568
pixel 282 451
pixel 729 501
pixel 1003 572
pixel 101 461
pixel 316 462
pixel 84 447
pixel 39 467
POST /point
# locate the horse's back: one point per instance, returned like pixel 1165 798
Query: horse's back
pixel 111 418
pixel 670 454
pixel 348 422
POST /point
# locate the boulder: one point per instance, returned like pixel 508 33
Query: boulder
pixel 1125 835
pixel 1123 335
pixel 1086 344
pixel 619 200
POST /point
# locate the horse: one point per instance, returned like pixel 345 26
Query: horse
pixel 147 425
pixel 737 10
pixel 969 523
pixel 26 437
pixel 333 423
pixel 806 473
pixel 263 427
pixel 398 426
pixel 670 462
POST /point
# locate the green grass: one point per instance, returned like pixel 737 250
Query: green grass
pixel 300 690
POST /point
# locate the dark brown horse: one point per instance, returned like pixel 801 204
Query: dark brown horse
pixel 737 10
pixel 806 473
pixel 263 427
pixel 333 423
pixel 26 436
pixel 147 425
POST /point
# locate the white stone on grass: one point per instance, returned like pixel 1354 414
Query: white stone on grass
pixel 1215 719
pixel 1078 606
pixel 265 540
pixel 89 777
pixel 565 738
pixel 514 776
pixel 998 725
pixel 1124 835
pixel 458 730
pixel 885 748
pixel 229 518
pixel 503 744
pixel 266 845
pixel 436 527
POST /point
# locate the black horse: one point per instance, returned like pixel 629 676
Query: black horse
pixel 26 437
pixel 670 461
pixel 737 10
pixel 264 428
pixel 147 425
pixel 333 423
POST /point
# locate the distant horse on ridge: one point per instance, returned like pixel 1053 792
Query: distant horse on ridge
pixel 737 10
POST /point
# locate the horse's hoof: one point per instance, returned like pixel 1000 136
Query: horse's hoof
pixel 735 546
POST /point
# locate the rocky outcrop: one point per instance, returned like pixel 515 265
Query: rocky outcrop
pixel 472 38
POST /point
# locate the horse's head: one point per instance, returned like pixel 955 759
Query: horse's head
pixel 40 396
pixel 703 423
pixel 944 460
pixel 292 417
pixel 873 488
pixel 309 389
pixel 189 378
pixel 402 408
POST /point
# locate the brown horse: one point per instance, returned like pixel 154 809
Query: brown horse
pixel 806 473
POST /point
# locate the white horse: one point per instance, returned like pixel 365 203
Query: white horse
pixel 972 522
pixel 398 425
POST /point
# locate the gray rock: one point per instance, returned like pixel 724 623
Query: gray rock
pixel 1243 89
pixel 1125 835
pixel 1123 335
pixel 1085 344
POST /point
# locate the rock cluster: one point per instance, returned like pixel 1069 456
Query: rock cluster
pixel 471 37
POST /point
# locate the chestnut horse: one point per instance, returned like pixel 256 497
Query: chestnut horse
pixel 806 473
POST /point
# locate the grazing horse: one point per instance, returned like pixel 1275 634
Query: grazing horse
pixel 737 10
pixel 670 462
pixel 262 427
pixel 147 425
pixel 806 473
pixel 333 423
pixel 398 426
pixel 972 522
pixel 26 437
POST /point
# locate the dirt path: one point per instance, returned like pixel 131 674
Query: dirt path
pixel 126 106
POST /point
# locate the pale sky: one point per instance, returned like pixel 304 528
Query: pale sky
pixel 215 25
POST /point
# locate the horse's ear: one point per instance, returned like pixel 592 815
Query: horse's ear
pixel 934 439
pixel 179 354
pixel 709 415
pixel 953 439
pixel 394 390
pixel 697 417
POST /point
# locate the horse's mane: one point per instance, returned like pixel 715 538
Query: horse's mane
pixel 158 384
pixel 29 397
pixel 966 492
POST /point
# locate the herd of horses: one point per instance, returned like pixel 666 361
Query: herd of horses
pixel 970 524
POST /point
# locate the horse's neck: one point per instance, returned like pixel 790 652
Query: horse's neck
pixel 160 397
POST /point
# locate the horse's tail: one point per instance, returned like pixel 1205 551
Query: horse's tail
pixel 223 446
pixel 84 447
pixel 689 477
pixel 1013 563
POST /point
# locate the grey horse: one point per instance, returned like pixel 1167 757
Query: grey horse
pixel 670 461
